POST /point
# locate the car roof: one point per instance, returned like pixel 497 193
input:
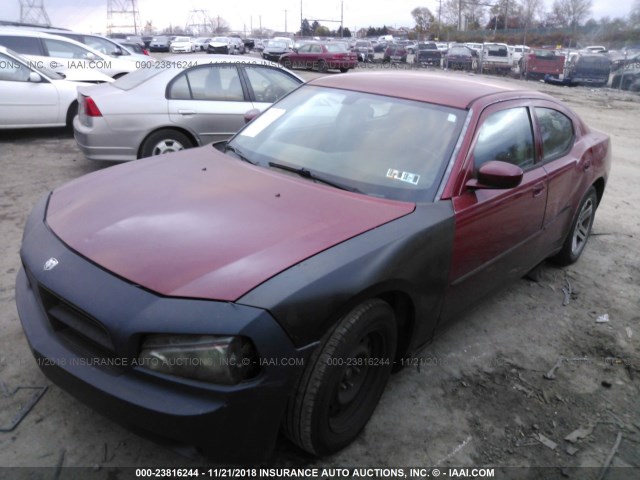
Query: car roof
pixel 443 89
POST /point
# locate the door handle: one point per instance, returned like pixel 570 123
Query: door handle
pixel 538 189
pixel 186 112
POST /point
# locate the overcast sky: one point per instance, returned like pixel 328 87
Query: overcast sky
pixel 91 15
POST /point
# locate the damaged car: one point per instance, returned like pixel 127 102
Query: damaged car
pixel 272 282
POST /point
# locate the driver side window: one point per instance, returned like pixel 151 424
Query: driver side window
pixel 269 84
pixel 506 136
pixel 12 70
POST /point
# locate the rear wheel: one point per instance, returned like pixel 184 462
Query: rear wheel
pixel 580 230
pixel 344 70
pixel 341 386
pixel 165 141
pixel 322 66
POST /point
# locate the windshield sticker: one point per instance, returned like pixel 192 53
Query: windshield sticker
pixel 261 122
pixel 451 118
pixel 412 178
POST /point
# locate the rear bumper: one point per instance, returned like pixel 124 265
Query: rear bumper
pixel 94 144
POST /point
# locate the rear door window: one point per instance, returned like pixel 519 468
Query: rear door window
pixel 24 45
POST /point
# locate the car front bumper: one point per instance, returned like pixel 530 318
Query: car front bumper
pixel 232 424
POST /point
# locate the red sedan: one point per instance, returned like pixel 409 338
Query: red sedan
pixel 272 282
pixel 321 57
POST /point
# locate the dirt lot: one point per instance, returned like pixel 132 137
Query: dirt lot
pixel 478 397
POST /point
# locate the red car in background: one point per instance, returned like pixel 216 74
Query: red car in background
pixel 321 57
pixel 540 62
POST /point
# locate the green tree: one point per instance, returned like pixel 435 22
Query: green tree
pixel 423 18
pixel 571 13
pixel 305 29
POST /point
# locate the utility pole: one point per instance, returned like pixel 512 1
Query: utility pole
pixel 32 11
pixel 506 14
pixel 285 21
pixel 260 17
pixel 341 18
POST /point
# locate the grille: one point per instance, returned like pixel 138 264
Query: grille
pixel 86 334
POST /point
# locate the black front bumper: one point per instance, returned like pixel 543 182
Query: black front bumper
pixel 233 424
pixel 221 50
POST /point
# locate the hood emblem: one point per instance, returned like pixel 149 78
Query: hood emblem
pixel 50 264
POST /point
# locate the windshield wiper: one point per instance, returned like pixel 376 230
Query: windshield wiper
pixel 304 173
pixel 238 153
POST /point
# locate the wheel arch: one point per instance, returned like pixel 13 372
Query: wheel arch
pixel 599 185
pixel 72 111
pixel 182 130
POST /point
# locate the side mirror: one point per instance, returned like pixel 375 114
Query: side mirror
pixel 116 53
pixel 35 77
pixel 498 175
pixel 251 114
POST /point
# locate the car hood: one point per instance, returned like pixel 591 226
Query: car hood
pixel 200 224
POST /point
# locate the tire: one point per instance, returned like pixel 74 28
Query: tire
pixel 333 401
pixel 164 141
pixel 344 70
pixel 322 66
pixel 286 63
pixel 580 229
pixel 71 113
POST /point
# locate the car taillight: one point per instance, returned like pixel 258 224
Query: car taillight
pixel 90 108
pixel 145 51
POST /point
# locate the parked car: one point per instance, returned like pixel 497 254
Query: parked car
pixel 162 110
pixel 380 46
pixel 274 49
pixel 586 69
pixel 238 45
pixel 271 283
pixel 495 58
pixel 364 50
pixel 627 78
pixel 34 97
pixel 201 43
pixel 540 62
pixel 322 57
pixel 62 54
pixel 516 52
pixel 105 45
pixel 395 53
pixel 182 44
pixel 134 49
pixel 222 45
pixel 159 44
pixel 461 57
pixel 427 53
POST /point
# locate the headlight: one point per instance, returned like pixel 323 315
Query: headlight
pixel 222 360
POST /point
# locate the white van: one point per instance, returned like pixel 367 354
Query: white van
pixel 62 54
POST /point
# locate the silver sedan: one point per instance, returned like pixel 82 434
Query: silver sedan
pixel 175 104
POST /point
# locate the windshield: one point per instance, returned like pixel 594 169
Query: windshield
pixel 221 39
pixel 336 47
pixel 276 44
pixel 378 145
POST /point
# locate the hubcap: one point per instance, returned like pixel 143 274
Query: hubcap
pixel 167 146
pixel 583 226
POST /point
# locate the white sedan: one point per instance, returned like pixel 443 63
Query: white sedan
pixel 31 97
pixel 182 44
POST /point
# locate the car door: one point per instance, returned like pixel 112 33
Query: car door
pixel 497 231
pixel 209 101
pixel 568 166
pixel 23 102
pixel 267 85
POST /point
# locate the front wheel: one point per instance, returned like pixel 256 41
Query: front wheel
pixel 342 384
pixel 164 141
pixel 344 70
pixel 322 66
pixel 580 230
